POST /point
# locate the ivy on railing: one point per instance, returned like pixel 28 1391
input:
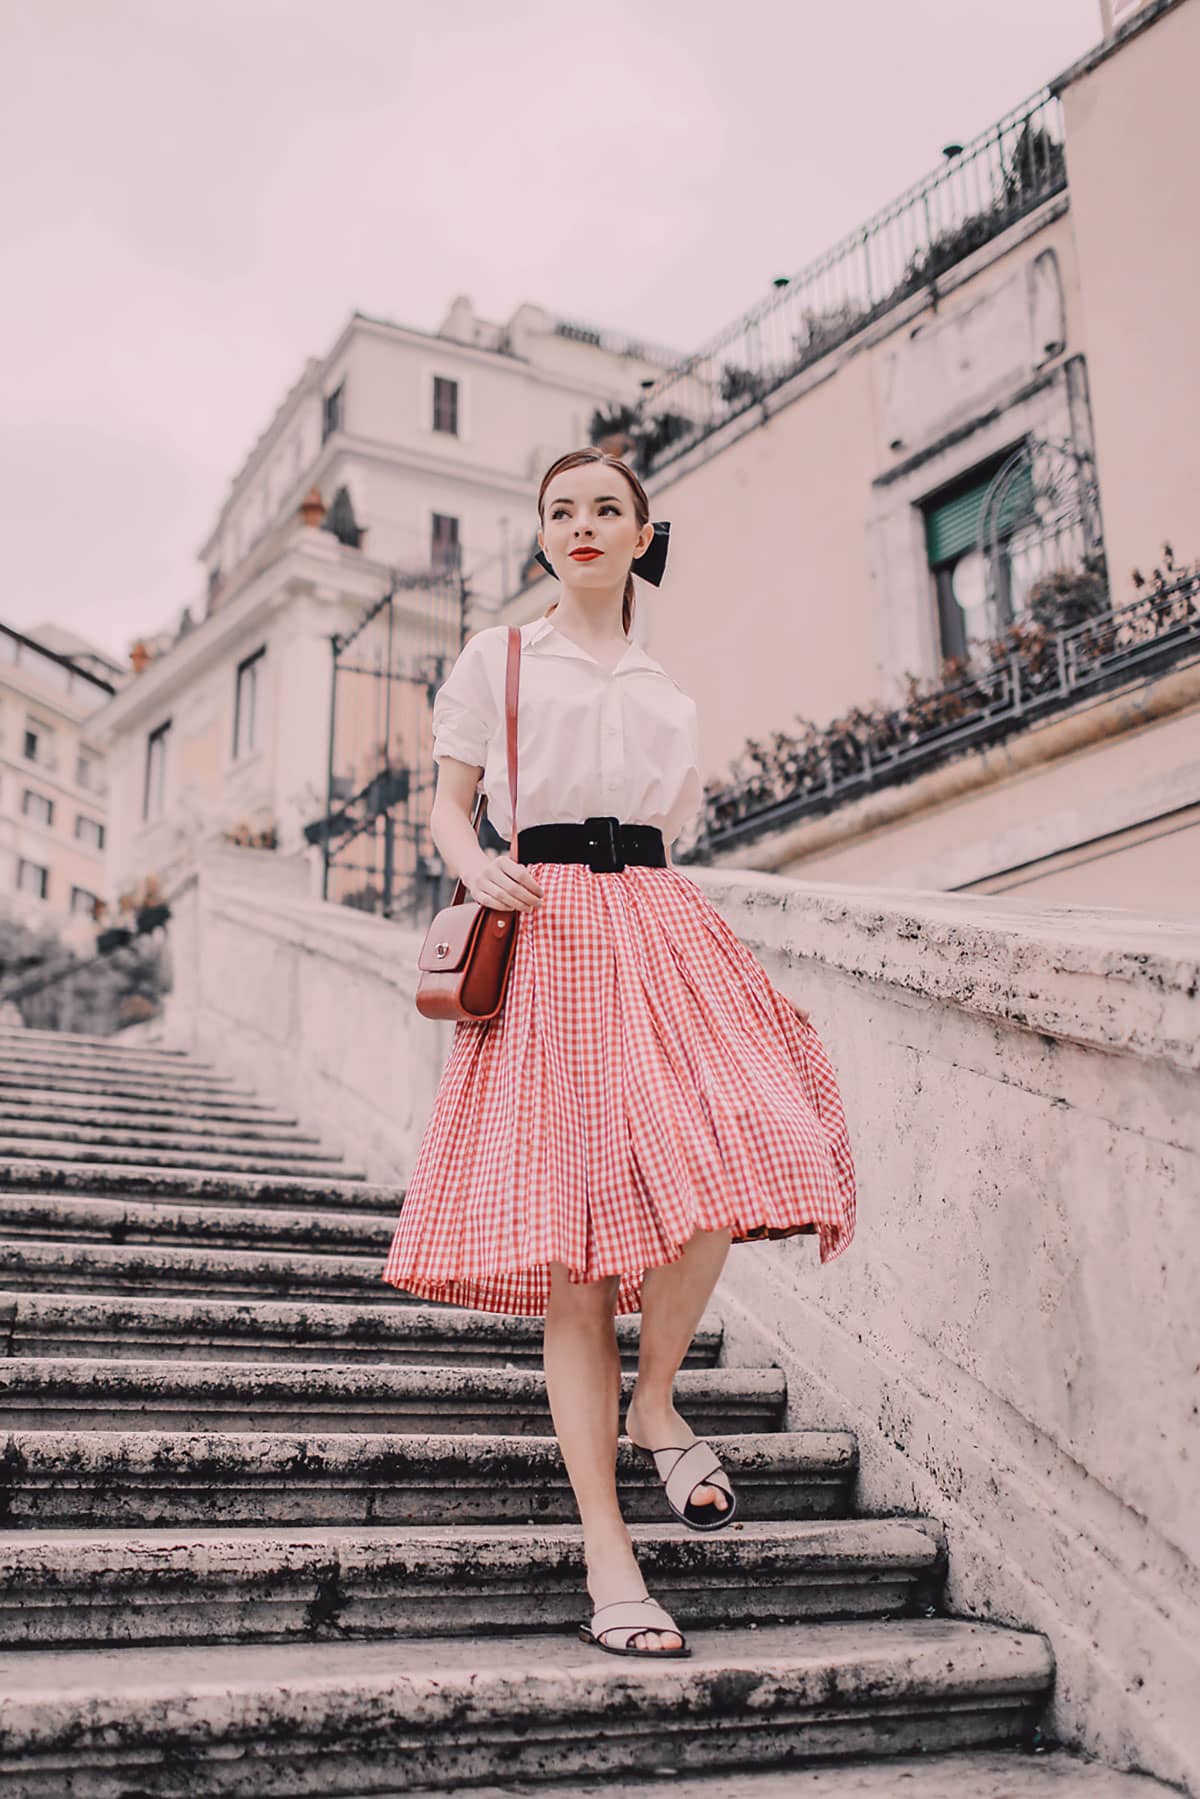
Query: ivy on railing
pixel 1070 643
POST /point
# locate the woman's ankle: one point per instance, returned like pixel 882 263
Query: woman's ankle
pixel 651 1401
pixel 604 1533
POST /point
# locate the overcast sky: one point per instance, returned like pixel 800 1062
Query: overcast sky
pixel 197 193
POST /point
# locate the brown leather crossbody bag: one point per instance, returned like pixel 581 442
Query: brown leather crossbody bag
pixel 465 958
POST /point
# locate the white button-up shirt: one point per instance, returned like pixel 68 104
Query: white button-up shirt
pixel 589 740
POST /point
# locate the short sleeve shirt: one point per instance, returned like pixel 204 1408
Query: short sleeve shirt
pixel 590 740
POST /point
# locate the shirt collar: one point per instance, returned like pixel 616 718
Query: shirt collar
pixel 545 633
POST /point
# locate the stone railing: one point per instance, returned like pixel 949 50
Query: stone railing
pixel 1013 1335
pixel 313 1004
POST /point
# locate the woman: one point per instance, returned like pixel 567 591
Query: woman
pixel 645 1097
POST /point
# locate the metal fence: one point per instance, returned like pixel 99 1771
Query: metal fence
pixel 1018 679
pixel 985 187
pixel 377 853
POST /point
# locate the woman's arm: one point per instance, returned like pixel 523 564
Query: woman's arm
pixel 494 880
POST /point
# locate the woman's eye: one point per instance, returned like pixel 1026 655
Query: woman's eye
pixel 559 513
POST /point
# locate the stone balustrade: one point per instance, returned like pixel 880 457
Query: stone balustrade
pixel 1014 1333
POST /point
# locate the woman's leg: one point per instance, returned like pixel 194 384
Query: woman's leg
pixel 583 1384
pixel 673 1298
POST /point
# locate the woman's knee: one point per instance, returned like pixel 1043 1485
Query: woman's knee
pixel 592 1300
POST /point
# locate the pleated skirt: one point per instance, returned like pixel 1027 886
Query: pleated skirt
pixel 644 1079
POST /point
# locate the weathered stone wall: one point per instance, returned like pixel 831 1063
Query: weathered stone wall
pixel 314 1005
pixel 1013 1335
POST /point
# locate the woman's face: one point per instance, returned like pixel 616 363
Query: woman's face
pixel 590 507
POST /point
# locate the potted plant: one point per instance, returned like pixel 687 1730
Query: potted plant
pixel 611 429
pixel 149 907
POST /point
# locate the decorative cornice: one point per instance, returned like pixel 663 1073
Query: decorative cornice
pixel 313 563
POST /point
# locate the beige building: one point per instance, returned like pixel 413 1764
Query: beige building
pixel 989 385
pixel 53 783
pixel 876 468
pixel 434 438
pixel 1133 150
pixel 399 464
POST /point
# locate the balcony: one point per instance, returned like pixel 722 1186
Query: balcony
pixel 984 188
pixel 1013 681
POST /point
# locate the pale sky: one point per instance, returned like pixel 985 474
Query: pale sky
pixel 196 194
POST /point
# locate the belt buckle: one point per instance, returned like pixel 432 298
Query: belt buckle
pixel 605 855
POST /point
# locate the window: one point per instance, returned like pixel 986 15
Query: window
pixel 39 743
pixel 89 772
pixel 444 549
pixel 334 410
pixel 963 582
pixel 445 405
pixel 156 767
pixel 246 704
pixel 38 807
pixel 33 878
pixel 89 831
pixel 83 901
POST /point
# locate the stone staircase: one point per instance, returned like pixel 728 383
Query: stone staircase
pixel 273 1527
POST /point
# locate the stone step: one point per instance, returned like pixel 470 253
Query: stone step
pixel 18 1061
pixel 109 1154
pixel 1022 1771
pixel 48 1266
pixel 71 1393
pixel 448 1714
pixel 198 1186
pixel 63 1104
pixel 133 1085
pixel 97 1220
pixel 219 1146
pixel 67 1120
pixel 281 1332
pixel 79 1043
pixel 122 1478
pixel 67 1589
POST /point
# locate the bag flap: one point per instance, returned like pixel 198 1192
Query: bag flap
pixel 449 937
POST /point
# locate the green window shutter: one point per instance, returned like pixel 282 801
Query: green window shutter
pixel 953 526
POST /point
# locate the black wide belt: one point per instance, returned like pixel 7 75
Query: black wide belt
pixel 602 841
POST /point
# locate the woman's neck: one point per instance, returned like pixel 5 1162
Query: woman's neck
pixel 594 620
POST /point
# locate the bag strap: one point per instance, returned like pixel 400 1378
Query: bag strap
pixel 512 688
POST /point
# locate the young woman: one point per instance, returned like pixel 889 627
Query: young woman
pixel 645 1097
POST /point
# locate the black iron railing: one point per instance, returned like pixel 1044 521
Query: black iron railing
pixel 1016 680
pixel 121 984
pixel 373 836
pixel 982 190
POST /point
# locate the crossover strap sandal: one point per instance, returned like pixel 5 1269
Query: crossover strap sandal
pixel 695 1465
pixel 630 1618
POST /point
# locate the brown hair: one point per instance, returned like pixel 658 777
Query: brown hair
pixel 641 507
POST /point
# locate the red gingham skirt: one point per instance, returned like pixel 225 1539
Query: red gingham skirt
pixel 643 1080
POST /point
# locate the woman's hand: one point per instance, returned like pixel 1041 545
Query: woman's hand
pixel 504 884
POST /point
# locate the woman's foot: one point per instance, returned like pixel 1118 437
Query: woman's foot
pixel 655 1428
pixel 613 1573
